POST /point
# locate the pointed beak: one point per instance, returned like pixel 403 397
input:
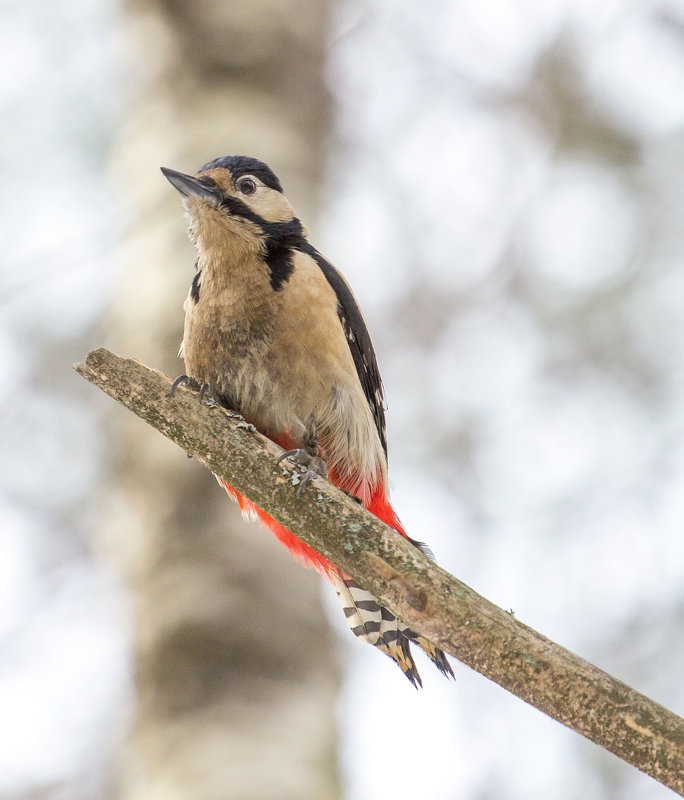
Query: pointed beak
pixel 189 186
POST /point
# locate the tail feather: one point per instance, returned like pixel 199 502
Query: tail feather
pixel 377 625
pixel 373 623
pixel 368 620
pixel 437 656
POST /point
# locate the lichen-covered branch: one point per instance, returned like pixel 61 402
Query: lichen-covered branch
pixel 430 600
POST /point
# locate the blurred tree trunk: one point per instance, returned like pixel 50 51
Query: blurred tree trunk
pixel 235 676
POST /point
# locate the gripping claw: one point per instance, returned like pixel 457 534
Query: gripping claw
pixel 184 380
pixel 315 465
pixel 205 389
pixel 206 392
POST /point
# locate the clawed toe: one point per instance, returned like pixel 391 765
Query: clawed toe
pixel 316 467
pixel 184 380
pixel 314 464
pixel 206 391
pixel 293 454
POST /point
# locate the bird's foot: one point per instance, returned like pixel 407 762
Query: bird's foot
pixel 206 391
pixel 184 380
pixel 208 395
pixel 314 464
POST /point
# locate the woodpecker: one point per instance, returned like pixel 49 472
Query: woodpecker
pixel 276 333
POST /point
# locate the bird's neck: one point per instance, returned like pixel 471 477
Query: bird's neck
pixel 231 264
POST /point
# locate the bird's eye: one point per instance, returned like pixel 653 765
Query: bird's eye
pixel 247 186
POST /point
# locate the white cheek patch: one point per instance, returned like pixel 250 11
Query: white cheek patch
pixel 270 205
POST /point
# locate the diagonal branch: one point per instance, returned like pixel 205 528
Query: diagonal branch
pixel 430 600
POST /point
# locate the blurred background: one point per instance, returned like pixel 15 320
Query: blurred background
pixel 502 184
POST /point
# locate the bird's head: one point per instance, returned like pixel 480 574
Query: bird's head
pixel 233 197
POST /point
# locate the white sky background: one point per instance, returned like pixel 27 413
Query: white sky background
pixel 526 297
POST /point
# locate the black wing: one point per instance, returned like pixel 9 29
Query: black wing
pixel 358 339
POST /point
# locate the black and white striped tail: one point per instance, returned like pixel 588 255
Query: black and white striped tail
pixel 378 626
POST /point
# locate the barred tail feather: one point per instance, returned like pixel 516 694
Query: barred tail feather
pixel 368 620
pixel 437 656
pixel 373 623
pixel 380 506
